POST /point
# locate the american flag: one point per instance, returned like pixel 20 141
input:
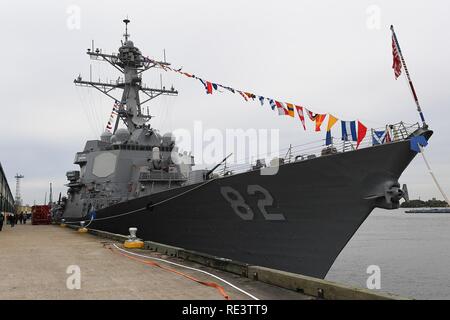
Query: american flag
pixel 396 64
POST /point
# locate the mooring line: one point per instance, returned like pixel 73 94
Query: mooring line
pixel 146 207
pixel 422 152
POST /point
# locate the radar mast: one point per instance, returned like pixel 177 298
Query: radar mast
pixel 131 64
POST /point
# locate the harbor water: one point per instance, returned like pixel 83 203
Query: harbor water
pixel 412 251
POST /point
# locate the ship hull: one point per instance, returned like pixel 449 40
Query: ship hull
pixel 317 207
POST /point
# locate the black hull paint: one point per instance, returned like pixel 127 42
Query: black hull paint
pixel 322 200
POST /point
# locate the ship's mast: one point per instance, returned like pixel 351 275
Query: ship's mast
pixel 131 64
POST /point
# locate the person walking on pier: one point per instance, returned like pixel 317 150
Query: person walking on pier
pixel 12 219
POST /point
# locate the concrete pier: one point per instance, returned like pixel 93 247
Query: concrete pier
pixel 34 261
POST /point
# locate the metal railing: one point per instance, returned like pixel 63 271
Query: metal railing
pixel 395 132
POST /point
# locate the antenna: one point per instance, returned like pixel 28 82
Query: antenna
pixel 126 35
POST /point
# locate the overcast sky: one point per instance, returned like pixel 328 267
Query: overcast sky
pixel 332 56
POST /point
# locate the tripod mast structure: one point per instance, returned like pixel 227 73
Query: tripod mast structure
pixel 131 64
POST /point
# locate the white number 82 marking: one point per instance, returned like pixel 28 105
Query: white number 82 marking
pixel 243 210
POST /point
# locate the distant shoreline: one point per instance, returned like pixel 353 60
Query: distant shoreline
pixel 433 203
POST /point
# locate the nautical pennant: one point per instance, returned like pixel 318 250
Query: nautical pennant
pixel 203 82
pixel 188 75
pixel 111 117
pixel 388 135
pixel 316 117
pixel 250 95
pixel 300 115
pixel 272 103
pixel 209 87
pixel 319 120
pixel 282 111
pixel 261 100
pixel 328 139
pixel 349 130
pixel 227 88
pixel 362 130
pixel 379 137
pixel 290 108
pixel 311 115
pixel 243 95
pixel 331 122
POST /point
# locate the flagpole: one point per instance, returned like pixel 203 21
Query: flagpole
pixel 419 109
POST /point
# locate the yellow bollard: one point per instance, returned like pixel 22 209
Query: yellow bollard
pixel 133 242
pixel 82 229
pixel 136 244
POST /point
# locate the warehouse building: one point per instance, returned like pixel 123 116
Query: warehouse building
pixel 6 197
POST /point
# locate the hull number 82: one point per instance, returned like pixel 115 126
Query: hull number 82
pixel 243 210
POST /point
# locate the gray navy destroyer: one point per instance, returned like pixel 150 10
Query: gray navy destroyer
pixel 297 220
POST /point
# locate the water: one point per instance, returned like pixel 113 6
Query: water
pixel 412 251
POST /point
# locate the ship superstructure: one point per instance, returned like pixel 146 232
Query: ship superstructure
pixel 128 162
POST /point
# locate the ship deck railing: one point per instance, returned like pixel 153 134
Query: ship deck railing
pixel 397 132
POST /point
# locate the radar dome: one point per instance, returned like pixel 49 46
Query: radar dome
pixel 122 135
pixel 106 136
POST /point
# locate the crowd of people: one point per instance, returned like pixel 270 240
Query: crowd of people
pixel 13 218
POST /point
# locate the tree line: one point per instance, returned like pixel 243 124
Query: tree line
pixel 433 203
